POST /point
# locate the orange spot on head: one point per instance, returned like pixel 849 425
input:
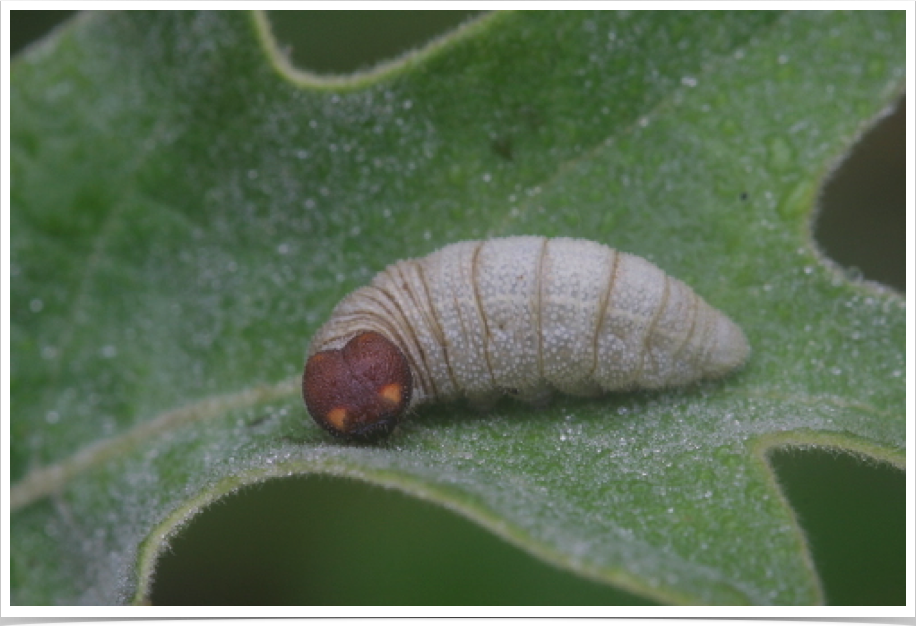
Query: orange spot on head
pixel 391 393
pixel 337 417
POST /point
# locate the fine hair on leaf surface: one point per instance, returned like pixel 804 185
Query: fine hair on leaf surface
pixel 188 212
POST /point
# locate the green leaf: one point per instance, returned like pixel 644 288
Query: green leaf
pixel 188 210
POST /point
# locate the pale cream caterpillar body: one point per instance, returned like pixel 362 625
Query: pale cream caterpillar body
pixel 518 315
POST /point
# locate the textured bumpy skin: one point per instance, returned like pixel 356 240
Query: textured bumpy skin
pixel 525 315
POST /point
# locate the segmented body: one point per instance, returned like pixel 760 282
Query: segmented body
pixel 525 315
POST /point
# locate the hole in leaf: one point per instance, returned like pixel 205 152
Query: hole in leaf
pixel 854 515
pixel 29 26
pixel 308 541
pixel 342 42
pixel 862 219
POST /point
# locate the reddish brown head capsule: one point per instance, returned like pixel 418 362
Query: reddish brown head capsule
pixel 360 391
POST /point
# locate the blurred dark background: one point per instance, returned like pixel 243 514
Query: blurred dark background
pixel 242 550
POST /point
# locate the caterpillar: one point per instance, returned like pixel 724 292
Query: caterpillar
pixel 520 315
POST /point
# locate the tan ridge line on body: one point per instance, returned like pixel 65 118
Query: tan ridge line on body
pixel 394 321
pixel 342 332
pixel 603 305
pixel 382 293
pixel 45 481
pixel 373 298
pixel 695 300
pixel 709 331
pixel 464 328
pixel 402 284
pixel 538 310
pixel 475 289
pixel 651 329
pixel 436 326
